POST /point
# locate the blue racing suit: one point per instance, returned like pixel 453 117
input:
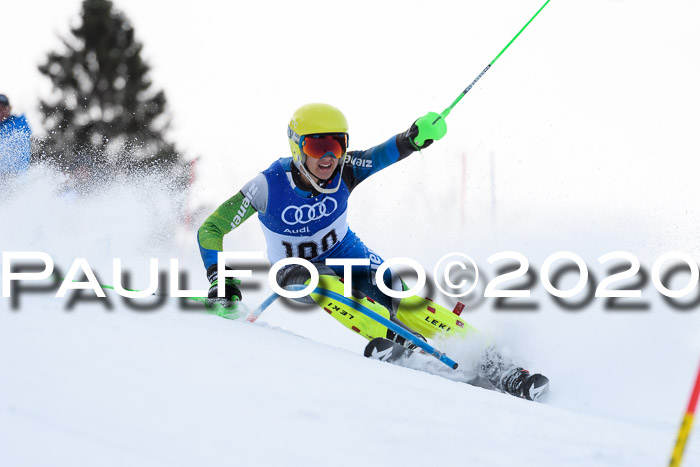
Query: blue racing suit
pixel 307 224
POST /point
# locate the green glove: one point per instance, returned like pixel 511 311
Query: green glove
pixel 423 131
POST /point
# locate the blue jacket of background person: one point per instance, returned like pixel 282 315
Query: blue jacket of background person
pixel 15 145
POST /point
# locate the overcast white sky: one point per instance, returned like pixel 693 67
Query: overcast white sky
pixel 235 71
pixel 594 107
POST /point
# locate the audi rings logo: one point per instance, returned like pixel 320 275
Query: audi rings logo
pixel 309 212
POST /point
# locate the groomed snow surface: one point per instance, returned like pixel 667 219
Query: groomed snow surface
pixel 580 138
pixel 89 385
pixel 173 388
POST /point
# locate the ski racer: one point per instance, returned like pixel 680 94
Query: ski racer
pixel 302 202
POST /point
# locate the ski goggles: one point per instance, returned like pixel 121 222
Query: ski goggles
pixel 320 145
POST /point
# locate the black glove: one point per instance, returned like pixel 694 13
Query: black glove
pixel 411 134
pixel 231 291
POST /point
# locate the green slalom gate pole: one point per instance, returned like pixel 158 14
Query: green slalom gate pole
pixel 216 308
pixel 212 306
pixel 447 111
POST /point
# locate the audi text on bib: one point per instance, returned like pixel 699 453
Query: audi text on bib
pixel 301 227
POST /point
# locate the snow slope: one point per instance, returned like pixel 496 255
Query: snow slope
pixel 89 385
pixel 581 138
pixel 172 388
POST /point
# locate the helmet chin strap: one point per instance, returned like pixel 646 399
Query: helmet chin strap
pixel 310 178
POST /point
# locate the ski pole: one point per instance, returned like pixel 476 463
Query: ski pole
pixel 255 314
pixel 393 326
pixel 686 425
pixel 365 311
pixel 446 112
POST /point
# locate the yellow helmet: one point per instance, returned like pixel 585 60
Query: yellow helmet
pixel 312 119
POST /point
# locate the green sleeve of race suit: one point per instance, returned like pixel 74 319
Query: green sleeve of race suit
pixel 227 217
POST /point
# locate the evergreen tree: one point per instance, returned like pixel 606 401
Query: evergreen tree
pixel 104 110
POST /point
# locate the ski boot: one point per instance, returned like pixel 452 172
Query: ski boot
pixel 394 346
pixel 520 383
pixel 402 341
pixel 505 376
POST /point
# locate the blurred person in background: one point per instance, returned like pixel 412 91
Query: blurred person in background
pixel 15 146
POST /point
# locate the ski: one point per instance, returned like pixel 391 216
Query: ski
pixel 537 386
pixel 385 350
